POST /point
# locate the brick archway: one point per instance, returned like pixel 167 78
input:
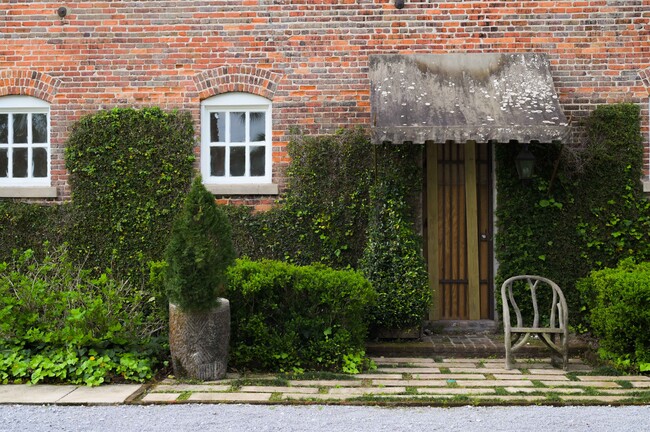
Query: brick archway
pixel 237 78
pixel 29 83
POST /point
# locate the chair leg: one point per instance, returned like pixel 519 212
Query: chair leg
pixel 508 345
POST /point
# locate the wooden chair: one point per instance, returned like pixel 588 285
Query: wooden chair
pixel 555 328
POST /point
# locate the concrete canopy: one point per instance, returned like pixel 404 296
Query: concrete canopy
pixel 464 97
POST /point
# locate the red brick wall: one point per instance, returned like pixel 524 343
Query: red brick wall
pixel 309 56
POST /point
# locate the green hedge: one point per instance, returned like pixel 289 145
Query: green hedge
pixel 291 318
pixel 129 172
pixel 27 226
pixel 393 260
pixel 618 305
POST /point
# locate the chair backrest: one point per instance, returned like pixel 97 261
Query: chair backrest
pixel 558 314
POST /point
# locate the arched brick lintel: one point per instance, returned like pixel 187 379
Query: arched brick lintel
pixel 237 78
pixel 29 83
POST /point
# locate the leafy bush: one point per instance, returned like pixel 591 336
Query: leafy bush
pixel 291 318
pixel 199 252
pixel 129 170
pixel 58 323
pixel 323 215
pixel 618 305
pixel 393 262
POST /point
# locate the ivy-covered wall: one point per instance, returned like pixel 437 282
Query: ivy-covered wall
pixel 584 208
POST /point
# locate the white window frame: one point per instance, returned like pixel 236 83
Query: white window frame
pixel 246 184
pixel 25 105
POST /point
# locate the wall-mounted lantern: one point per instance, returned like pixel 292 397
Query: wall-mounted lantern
pixel 62 12
pixel 399 4
pixel 525 163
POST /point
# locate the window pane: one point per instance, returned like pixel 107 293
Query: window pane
pixel 39 161
pixel 237 126
pixel 237 161
pixel 20 129
pixel 4 162
pixel 4 128
pixel 20 162
pixel 218 127
pixel 217 161
pixel 257 160
pixel 258 126
pixel 39 128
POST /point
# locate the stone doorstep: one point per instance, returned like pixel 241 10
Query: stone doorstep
pixel 631 378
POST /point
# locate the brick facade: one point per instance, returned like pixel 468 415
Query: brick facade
pixel 310 57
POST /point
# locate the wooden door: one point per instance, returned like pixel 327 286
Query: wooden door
pixel 458 229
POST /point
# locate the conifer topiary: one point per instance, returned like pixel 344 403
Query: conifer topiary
pixel 199 252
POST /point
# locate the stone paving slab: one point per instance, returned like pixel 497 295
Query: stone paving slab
pixel 455 391
pixel 378 376
pixel 562 390
pixel 34 394
pixel 229 397
pixel 359 391
pixel 410 383
pixel 511 398
pixel 325 383
pixel 179 388
pixel 530 377
pixel 427 370
pixel 494 383
pixel 447 376
pixel 608 399
pixel 641 384
pixel 277 389
pixel 599 384
pixel 630 378
pixel 107 395
pixel 485 370
pixel 160 397
pixel 318 396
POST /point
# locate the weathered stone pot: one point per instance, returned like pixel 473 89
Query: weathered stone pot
pixel 199 341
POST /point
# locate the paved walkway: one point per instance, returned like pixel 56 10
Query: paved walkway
pixel 407 381
pixel 472 374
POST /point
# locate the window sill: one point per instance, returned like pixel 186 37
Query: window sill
pixel 243 189
pixel 27 192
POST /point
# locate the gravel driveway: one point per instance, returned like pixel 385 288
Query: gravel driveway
pixel 226 418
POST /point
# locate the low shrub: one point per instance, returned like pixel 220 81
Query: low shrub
pixel 59 323
pixel 290 318
pixel 618 306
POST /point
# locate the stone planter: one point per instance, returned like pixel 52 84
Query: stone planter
pixel 199 341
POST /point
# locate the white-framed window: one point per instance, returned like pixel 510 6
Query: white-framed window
pixel 236 141
pixel 24 142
